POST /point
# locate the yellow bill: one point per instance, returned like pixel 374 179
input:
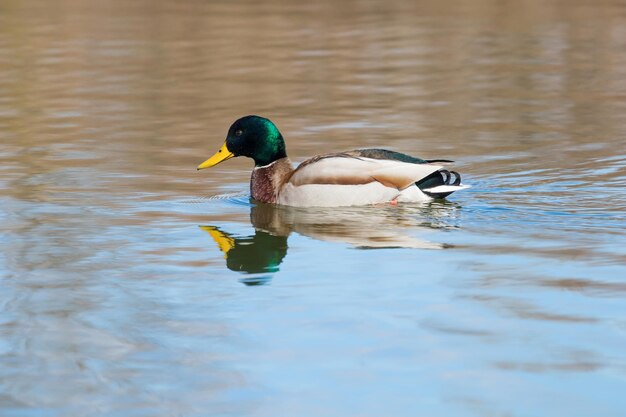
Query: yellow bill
pixel 224 242
pixel 220 156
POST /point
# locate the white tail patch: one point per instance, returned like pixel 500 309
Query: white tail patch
pixel 446 188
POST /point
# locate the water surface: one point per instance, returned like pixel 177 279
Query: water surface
pixel 133 285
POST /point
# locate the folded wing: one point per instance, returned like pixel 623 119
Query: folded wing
pixel 347 169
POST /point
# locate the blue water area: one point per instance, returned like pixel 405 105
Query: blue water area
pixel 133 285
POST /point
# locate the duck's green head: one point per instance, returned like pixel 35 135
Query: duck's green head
pixel 252 136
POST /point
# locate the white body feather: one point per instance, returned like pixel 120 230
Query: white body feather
pixel 334 195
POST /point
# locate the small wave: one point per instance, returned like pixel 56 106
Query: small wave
pixel 236 198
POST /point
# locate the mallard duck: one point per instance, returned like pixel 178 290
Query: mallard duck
pixel 356 177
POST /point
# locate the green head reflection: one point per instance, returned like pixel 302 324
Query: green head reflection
pixel 260 253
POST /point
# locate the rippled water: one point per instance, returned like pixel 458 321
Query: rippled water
pixel 130 284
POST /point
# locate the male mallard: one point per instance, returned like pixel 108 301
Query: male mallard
pixel 357 177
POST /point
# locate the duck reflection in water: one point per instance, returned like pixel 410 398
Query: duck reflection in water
pixel 259 256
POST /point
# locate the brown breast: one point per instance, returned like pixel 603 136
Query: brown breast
pixel 266 182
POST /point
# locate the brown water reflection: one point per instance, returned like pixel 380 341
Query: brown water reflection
pixel 114 301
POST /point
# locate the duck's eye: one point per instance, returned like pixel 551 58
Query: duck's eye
pixel 238 132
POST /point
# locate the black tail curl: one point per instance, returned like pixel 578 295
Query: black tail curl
pixel 437 178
